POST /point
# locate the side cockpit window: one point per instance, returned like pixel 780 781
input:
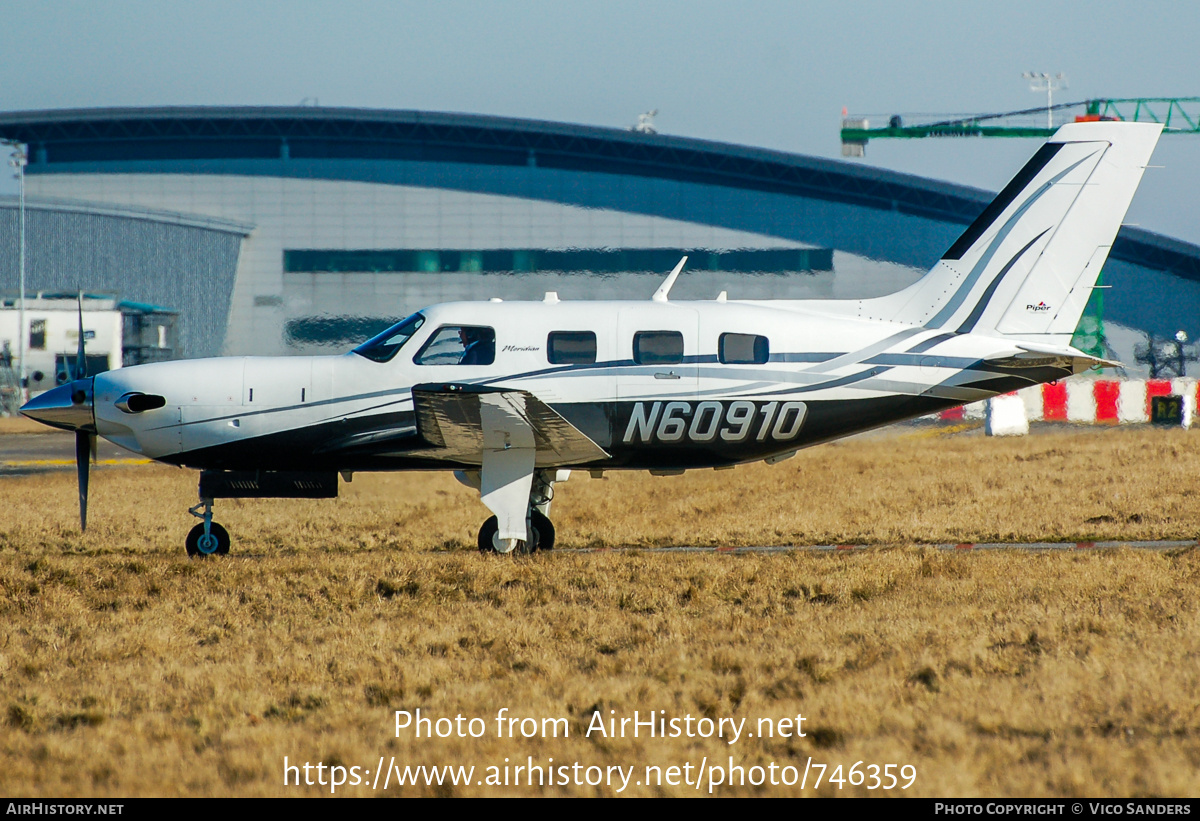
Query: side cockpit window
pixel 459 345
pixel 571 348
pixel 743 349
pixel 383 347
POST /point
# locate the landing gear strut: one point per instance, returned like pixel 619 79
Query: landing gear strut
pixel 510 483
pixel 207 538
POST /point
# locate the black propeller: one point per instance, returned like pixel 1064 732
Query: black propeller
pixel 72 407
pixel 85 441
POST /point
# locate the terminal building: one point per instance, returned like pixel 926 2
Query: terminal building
pixel 306 230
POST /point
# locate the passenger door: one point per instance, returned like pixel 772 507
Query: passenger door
pixel 653 366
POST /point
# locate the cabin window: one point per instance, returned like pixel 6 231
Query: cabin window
pixel 459 345
pixel 658 347
pixel 383 347
pixel 743 349
pixel 571 348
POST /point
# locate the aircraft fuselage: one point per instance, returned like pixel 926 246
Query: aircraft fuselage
pixel 706 397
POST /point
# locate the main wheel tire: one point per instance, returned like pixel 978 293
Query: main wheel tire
pixel 543 535
pixel 544 529
pixel 486 533
pixel 216 543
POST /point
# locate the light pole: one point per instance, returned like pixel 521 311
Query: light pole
pixel 19 161
pixel 1041 81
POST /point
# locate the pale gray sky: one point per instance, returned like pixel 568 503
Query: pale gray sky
pixel 771 74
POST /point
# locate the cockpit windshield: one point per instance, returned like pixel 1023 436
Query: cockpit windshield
pixel 383 347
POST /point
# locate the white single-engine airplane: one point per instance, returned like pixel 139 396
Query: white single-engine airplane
pixel 513 395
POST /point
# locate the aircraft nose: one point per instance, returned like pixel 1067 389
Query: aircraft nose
pixel 68 407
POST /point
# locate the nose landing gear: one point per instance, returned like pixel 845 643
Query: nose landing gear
pixel 207 538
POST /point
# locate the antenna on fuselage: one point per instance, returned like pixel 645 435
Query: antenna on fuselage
pixel 661 294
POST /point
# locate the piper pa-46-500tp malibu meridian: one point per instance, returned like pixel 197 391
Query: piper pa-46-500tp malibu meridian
pixel 514 395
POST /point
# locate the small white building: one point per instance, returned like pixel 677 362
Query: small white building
pixel 52 337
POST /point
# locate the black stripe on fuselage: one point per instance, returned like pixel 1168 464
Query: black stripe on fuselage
pixel 840 381
pixel 824 421
pixel 933 341
pixel 332 445
pixel 1015 382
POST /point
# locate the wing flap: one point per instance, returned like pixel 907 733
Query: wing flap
pixel 460 422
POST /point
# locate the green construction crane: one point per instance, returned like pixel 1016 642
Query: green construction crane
pixel 1179 115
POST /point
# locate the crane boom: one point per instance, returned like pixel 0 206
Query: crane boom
pixel 1178 115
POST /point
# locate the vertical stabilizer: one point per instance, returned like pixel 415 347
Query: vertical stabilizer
pixel 1026 267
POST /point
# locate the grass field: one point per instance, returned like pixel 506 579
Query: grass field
pixel 126 669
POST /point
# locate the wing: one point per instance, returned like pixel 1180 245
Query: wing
pixel 460 422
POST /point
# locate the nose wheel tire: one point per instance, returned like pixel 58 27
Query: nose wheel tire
pixel 542 532
pixel 215 543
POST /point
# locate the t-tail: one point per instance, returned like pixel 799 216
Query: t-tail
pixel 1024 270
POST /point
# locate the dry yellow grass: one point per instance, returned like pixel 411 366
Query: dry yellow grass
pixel 128 670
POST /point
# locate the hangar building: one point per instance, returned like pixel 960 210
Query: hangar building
pixel 304 230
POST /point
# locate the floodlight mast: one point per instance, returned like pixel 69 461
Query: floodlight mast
pixel 18 161
pixel 1041 81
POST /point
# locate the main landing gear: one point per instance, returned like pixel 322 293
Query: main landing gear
pixel 538 529
pixel 207 538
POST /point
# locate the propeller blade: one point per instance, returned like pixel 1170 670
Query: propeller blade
pixel 84 443
pixel 80 356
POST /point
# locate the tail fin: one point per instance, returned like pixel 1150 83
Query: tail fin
pixel 1027 266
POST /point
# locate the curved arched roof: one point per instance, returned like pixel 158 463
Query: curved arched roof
pixel 200 139
pixel 128 212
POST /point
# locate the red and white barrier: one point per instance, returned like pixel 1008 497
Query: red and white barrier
pixel 1091 401
pixel 1006 416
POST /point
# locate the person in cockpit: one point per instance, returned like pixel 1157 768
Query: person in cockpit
pixel 479 346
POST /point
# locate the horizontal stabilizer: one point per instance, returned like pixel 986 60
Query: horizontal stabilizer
pixel 1028 355
pixel 449 418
